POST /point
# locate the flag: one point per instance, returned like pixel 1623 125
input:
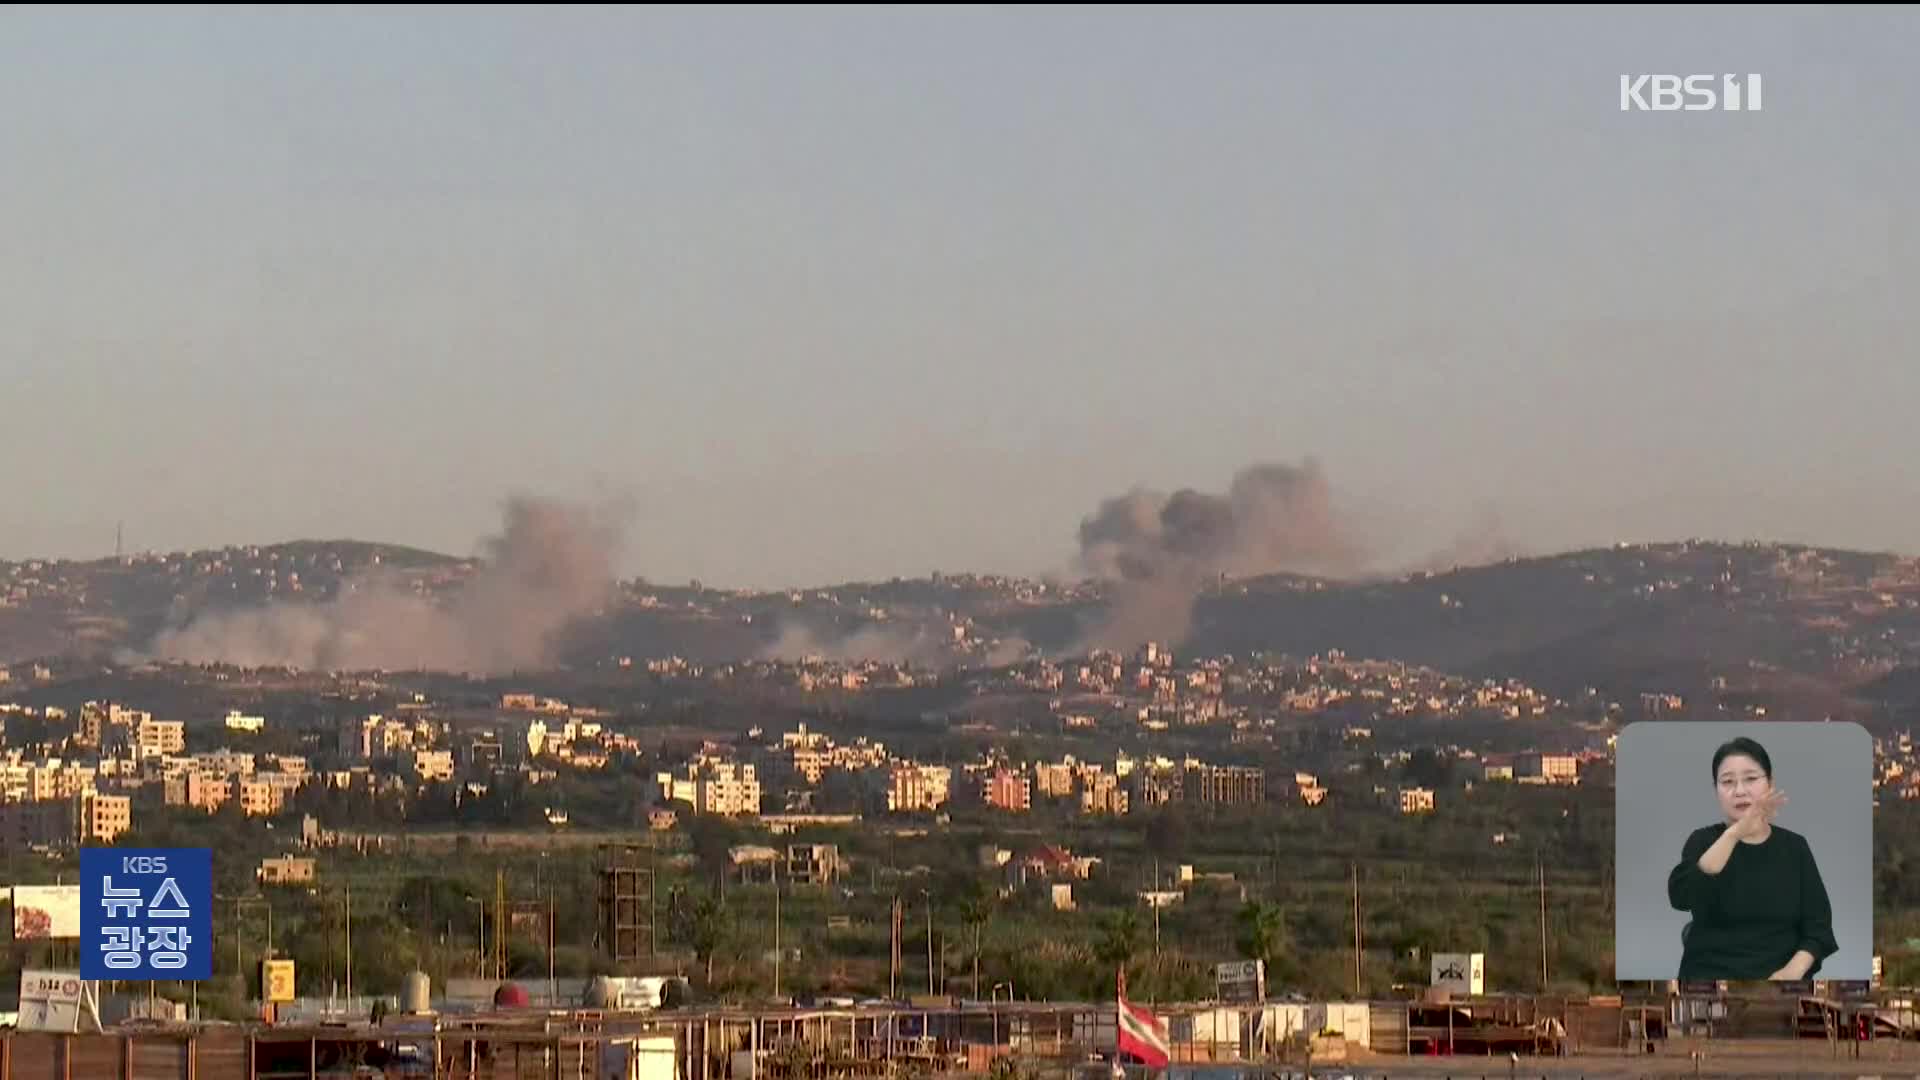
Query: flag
pixel 1141 1034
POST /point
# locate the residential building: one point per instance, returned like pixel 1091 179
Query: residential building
pixel 813 864
pixel 197 789
pixel 1230 785
pixel 286 870
pixel 1102 793
pixel 429 766
pixel 225 763
pixel 912 788
pixel 1008 790
pixel 1158 786
pixel 251 725
pixel 1053 781
pixel 1549 769
pixel 25 826
pixel 1050 861
pixel 104 818
pixel 726 789
pixel 158 737
pixel 259 797
pixel 1416 800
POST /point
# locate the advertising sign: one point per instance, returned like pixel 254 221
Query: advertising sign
pixel 44 912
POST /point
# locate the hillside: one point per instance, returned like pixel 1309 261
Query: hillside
pixel 1642 618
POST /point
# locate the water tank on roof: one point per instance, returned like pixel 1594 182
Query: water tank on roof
pixel 416 993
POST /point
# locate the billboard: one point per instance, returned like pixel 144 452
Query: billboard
pixel 44 912
pixel 54 1001
pixel 1461 973
pixel 1241 980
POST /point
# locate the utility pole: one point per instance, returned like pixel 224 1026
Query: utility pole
pixel 1542 867
pixel 777 957
pixel 1156 906
pixel 349 929
pixel 929 897
pixel 500 921
pixel 897 923
pixel 1358 941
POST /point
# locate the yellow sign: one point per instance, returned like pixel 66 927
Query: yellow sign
pixel 277 977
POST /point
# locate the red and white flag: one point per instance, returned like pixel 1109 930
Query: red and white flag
pixel 1142 1034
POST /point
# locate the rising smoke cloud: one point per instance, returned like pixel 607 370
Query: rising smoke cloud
pixel 552 563
pixel 1159 551
pixel 880 644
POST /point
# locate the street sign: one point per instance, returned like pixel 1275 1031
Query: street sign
pixel 146 913
pixel 276 976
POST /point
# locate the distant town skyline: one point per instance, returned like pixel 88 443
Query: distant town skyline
pixel 829 295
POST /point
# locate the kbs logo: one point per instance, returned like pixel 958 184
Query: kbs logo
pixel 1689 93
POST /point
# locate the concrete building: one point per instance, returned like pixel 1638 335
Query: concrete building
pixel 104 818
pixel 155 738
pixel 1053 781
pixel 429 766
pixel 726 788
pixel 197 789
pixel 1549 769
pixel 259 798
pixel 25 826
pixel 285 870
pixel 813 864
pixel 1227 785
pixel 1102 793
pixel 918 788
pixel 1158 786
pixel 1007 790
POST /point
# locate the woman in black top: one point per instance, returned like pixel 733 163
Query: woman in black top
pixel 1760 910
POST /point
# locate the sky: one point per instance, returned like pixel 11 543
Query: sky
pixel 831 295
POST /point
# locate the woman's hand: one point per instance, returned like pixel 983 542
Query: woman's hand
pixel 1759 816
pixel 1796 968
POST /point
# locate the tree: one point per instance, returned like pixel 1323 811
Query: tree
pixel 1263 931
pixel 976 903
pixel 710 926
pixel 1120 938
pixel 712 838
pixel 1430 769
pixel 1167 834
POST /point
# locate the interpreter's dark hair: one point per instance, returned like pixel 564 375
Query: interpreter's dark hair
pixel 1747 747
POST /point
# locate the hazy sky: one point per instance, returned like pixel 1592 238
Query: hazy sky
pixel 844 295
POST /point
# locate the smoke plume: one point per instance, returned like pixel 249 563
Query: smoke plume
pixel 1159 550
pixel 879 644
pixel 552 563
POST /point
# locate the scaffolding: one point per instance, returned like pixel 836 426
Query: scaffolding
pixel 627 902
